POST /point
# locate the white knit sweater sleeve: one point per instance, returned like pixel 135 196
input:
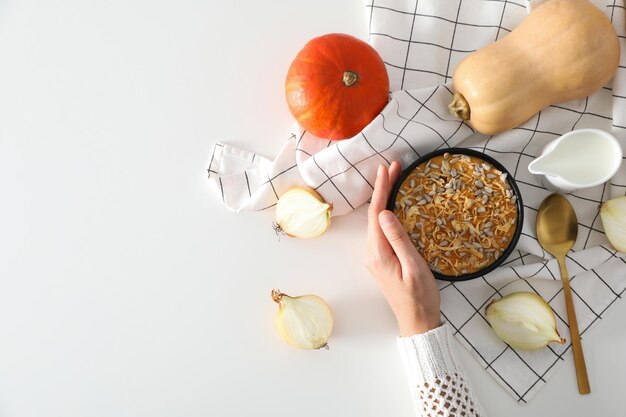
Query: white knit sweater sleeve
pixel 437 383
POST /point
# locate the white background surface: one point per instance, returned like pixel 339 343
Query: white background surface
pixel 127 289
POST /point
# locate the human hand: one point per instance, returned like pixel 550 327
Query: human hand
pixel 402 274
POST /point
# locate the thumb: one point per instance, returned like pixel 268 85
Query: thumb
pixel 397 237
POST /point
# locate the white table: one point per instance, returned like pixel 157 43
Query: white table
pixel 128 290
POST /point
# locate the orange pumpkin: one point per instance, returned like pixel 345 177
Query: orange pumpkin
pixel 336 85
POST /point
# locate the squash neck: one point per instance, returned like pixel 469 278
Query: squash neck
pixel 459 107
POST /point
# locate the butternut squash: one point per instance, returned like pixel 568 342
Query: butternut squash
pixel 564 50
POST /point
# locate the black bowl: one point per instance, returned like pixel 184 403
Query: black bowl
pixel 520 207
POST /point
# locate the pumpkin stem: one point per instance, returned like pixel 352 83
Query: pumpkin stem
pixel 459 107
pixel 349 78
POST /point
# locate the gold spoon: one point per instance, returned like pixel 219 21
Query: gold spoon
pixel 557 228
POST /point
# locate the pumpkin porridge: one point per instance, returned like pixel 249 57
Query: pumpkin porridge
pixel 459 211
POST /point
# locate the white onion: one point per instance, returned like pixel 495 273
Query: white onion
pixel 613 215
pixel 302 212
pixel 304 322
pixel 523 320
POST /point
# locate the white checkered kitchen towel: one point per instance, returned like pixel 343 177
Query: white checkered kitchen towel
pixel 421 41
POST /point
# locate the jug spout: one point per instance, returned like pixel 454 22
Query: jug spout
pixel 541 166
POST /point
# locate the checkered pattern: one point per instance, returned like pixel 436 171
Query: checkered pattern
pixel 421 41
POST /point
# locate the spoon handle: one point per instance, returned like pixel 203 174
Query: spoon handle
pixel 579 357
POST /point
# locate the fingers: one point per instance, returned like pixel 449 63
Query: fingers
pixel 380 194
pixel 378 247
pixel 394 173
pixel 385 178
pixel 398 239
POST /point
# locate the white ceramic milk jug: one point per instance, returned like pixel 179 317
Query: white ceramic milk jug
pixel 579 159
